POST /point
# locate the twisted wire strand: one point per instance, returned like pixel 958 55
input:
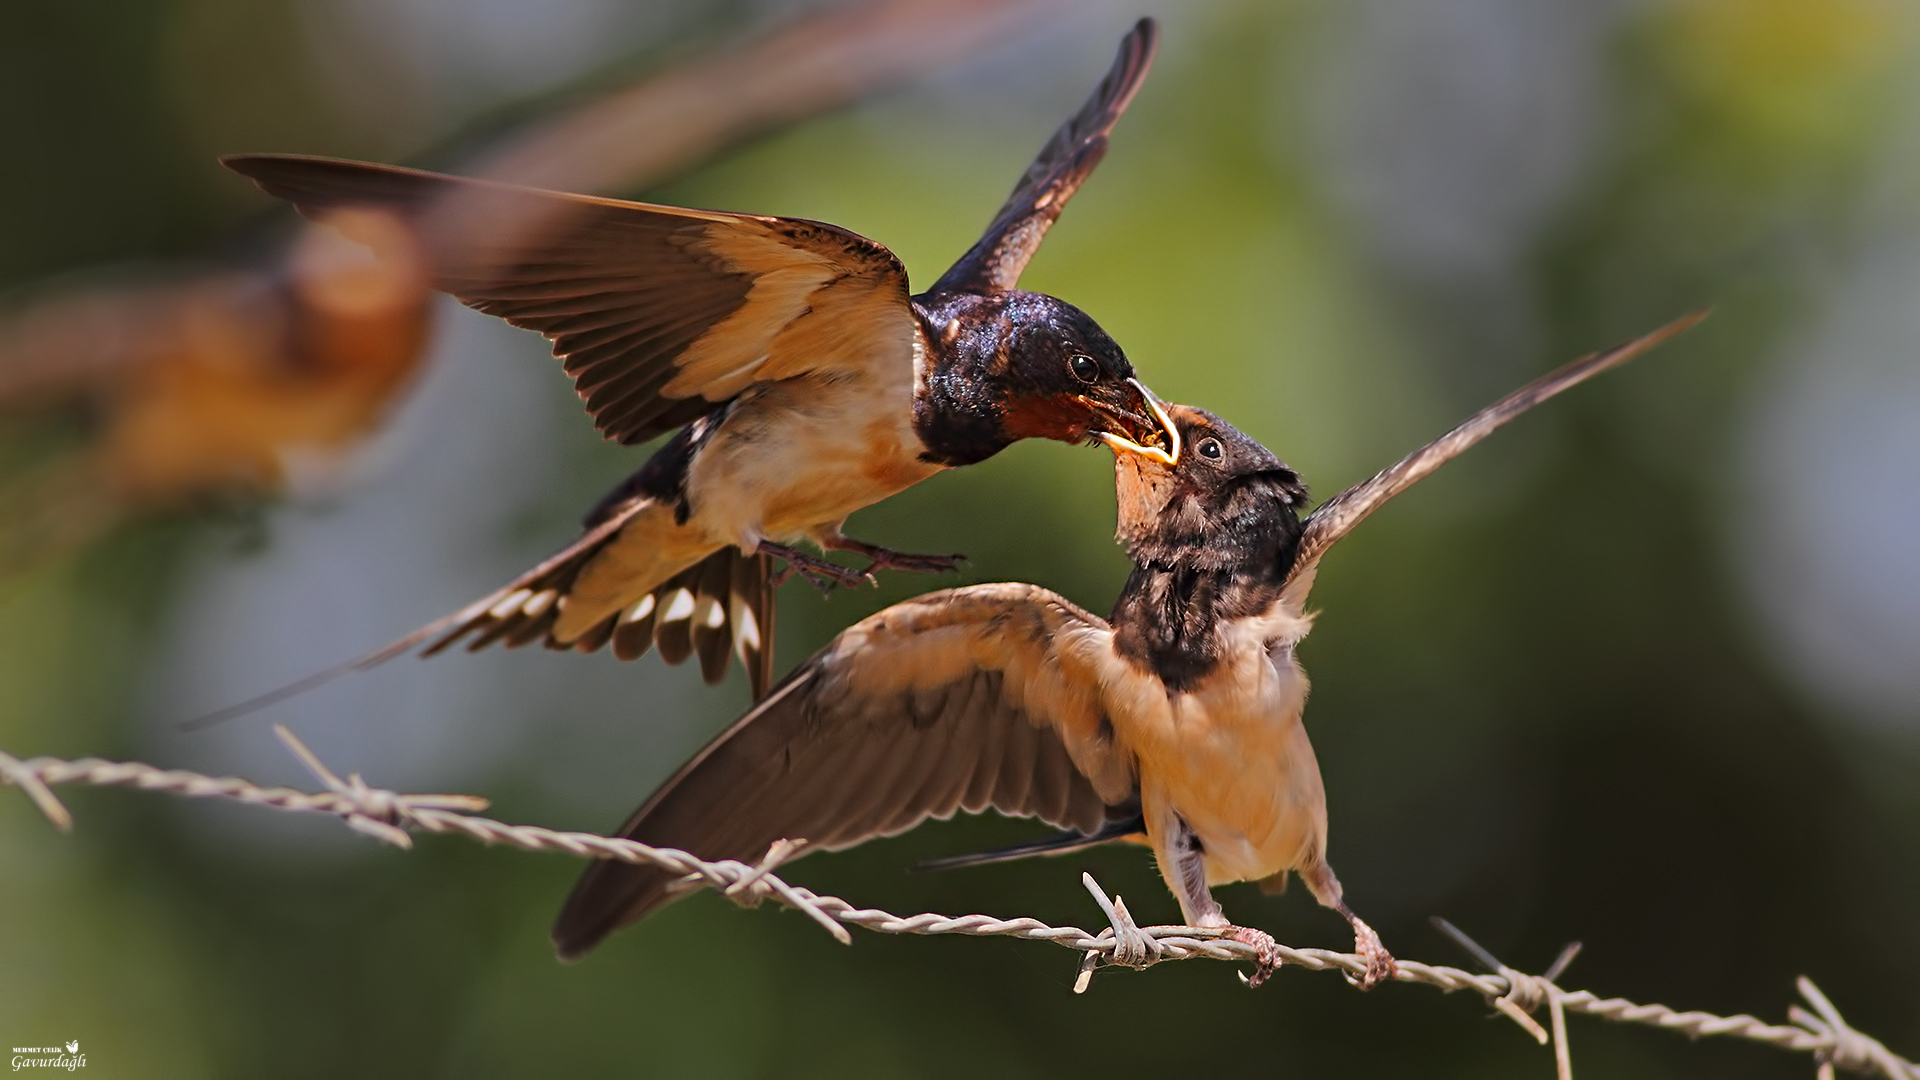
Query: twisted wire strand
pixel 388 815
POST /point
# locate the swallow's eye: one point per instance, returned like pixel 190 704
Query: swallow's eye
pixel 1084 368
pixel 1209 449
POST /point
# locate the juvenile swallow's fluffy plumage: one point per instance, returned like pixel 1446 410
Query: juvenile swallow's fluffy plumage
pixel 805 381
pixel 1176 723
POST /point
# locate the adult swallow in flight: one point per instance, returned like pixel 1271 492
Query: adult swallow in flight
pixel 805 381
pixel 1176 724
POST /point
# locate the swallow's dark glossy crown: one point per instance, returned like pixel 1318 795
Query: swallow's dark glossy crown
pixel 1015 365
pixel 1212 538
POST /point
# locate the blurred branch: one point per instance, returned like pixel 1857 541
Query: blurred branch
pixel 636 136
pixel 388 816
pixel 672 121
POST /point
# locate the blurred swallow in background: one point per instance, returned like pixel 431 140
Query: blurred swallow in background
pixel 246 382
pixel 1177 724
pixel 805 381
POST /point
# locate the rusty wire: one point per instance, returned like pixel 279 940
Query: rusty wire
pixel 389 816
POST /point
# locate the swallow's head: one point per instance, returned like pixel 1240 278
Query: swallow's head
pixel 1065 379
pixel 1223 499
pixel 1024 365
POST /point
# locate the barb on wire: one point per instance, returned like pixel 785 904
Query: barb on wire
pixel 1127 944
pixel 1851 1050
pixel 16 772
pixel 374 811
pixel 1525 993
pixel 391 817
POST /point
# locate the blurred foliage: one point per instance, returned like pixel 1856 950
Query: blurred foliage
pixel 1544 705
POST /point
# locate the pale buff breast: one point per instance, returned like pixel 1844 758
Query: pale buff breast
pixel 1230 756
pixel 797 456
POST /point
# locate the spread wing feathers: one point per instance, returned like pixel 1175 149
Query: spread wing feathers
pixel 994 263
pixel 721 605
pixel 657 312
pixel 959 700
pixel 1337 516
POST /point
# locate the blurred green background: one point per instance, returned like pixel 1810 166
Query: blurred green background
pixel 1642 671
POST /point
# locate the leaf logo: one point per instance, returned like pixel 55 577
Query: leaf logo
pixel 73 1046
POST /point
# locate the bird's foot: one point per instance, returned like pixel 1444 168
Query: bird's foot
pixel 1267 960
pixel 889 559
pixel 820 573
pixel 919 564
pixel 1380 963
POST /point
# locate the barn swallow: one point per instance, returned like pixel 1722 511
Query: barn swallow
pixel 803 378
pixel 1176 723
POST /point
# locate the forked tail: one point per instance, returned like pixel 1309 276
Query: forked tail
pixel 719 606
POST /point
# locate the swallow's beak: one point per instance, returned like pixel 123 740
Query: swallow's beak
pixel 1153 435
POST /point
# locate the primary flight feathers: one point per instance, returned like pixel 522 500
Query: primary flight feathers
pixel 995 261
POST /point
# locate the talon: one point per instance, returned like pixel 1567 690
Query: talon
pixel 1380 963
pixel 889 559
pixel 789 570
pixel 919 564
pixel 1268 959
pixel 820 573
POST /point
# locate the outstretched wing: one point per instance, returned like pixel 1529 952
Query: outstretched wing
pixel 965 699
pixel 995 262
pixel 657 312
pixel 1337 516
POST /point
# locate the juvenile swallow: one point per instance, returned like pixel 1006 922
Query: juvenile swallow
pixel 1176 723
pixel 805 380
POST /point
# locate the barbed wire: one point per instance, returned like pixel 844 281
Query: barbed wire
pixel 388 816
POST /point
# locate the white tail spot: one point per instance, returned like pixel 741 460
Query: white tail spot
pixel 640 610
pixel 540 603
pixel 679 607
pixel 746 629
pixel 509 603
